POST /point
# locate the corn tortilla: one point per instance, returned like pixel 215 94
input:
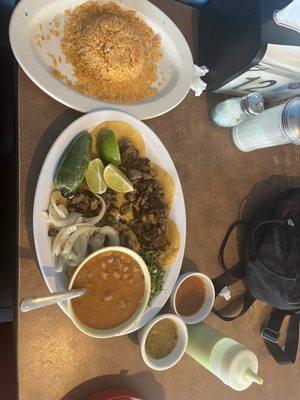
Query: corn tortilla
pixel 166 182
pixel 168 257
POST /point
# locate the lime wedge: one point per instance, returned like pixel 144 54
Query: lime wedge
pixel 108 147
pixel 94 176
pixel 116 180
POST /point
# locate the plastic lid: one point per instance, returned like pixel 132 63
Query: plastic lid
pixel 253 377
pixel 253 104
pixel 237 366
pixel 291 119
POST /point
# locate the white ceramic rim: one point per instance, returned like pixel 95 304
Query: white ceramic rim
pixel 156 151
pixel 21 24
pixel 178 351
pixel 206 307
pixel 118 330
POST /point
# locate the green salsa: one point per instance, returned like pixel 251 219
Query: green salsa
pixel 161 339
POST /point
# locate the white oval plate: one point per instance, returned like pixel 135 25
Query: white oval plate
pixel 32 17
pixel 156 152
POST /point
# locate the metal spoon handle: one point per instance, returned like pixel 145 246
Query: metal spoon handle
pixel 31 303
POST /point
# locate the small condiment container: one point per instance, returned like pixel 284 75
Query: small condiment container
pixel 232 112
pixel 208 300
pixel 171 359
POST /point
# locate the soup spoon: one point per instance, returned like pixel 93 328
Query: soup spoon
pixel 31 303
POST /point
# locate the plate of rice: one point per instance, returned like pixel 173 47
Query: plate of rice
pixel 126 55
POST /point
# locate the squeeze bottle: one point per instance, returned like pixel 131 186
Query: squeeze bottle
pixel 230 361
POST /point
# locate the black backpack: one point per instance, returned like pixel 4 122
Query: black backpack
pixel 271 270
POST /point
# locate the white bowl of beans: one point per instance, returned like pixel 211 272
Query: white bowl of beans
pixel 117 284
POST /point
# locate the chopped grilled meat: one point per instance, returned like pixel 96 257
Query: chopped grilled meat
pixel 84 202
pixel 94 204
pixel 79 198
pixel 150 212
pixel 65 193
pixel 151 218
pixel 134 174
pixel 106 220
pixel 111 208
pixel 110 198
pixel 147 175
pixel 128 152
pixel 124 209
pixel 131 196
pixel 52 232
pixel 109 195
pixel 83 206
